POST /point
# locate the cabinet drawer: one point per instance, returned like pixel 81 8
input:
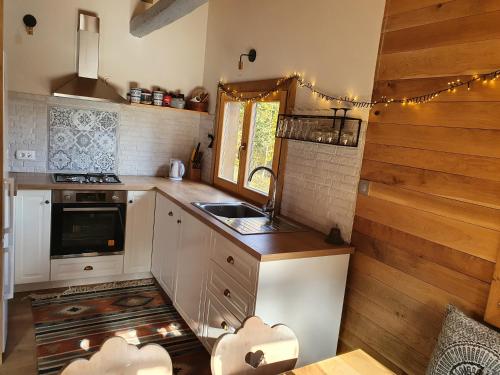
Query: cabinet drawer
pixel 218 320
pixel 233 260
pixel 235 298
pixel 78 268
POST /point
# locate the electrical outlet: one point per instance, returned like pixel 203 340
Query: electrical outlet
pixel 25 155
pixel 364 187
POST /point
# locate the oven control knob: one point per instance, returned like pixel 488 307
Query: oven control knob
pixel 115 197
pixel 67 197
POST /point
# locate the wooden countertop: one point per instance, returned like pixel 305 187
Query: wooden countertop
pixel 264 247
pixel 356 362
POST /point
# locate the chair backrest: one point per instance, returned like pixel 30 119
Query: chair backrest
pixel 116 356
pixel 255 349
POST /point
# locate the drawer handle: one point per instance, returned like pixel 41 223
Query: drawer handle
pixel 224 326
pixel 170 213
pixel 227 293
pixel 230 260
pixel 88 268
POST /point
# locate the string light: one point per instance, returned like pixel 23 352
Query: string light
pixel 452 88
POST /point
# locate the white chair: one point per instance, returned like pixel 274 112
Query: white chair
pixel 255 349
pixel 117 357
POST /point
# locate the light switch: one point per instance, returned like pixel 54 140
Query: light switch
pixel 364 187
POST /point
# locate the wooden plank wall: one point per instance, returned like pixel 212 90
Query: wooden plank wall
pixel 428 232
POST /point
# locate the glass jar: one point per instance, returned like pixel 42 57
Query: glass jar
pixel 346 139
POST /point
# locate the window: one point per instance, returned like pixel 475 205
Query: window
pixel 246 140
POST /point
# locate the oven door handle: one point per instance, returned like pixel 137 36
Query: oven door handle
pixel 90 209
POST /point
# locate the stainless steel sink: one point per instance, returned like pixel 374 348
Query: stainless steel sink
pixel 231 210
pixel 247 219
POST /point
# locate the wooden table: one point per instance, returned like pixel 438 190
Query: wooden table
pixel 356 362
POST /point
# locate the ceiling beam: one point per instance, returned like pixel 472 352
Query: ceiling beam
pixel 161 14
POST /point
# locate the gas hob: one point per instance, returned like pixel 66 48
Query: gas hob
pixel 89 178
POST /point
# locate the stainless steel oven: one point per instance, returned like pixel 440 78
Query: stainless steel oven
pixel 87 223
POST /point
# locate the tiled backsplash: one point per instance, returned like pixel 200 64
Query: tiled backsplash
pixel 146 137
pixel 150 137
pixel 320 182
pixel 82 140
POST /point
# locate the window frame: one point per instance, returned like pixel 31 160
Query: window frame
pixel 286 96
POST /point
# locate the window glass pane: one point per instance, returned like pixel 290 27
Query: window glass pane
pixel 261 144
pixel 232 130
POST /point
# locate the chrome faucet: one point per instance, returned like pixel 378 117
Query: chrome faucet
pixel 269 207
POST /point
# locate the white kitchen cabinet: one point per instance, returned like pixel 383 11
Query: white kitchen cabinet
pixel 165 243
pixel 192 269
pixel 218 284
pixel 180 252
pixel 139 231
pixel 32 236
pixel 306 294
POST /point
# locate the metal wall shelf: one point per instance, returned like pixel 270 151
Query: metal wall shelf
pixel 333 130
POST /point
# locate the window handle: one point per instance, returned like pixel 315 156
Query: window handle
pixel 243 147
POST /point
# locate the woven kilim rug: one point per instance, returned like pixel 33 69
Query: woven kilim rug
pixel 74 325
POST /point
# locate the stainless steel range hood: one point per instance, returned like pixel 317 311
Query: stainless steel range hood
pixel 87 85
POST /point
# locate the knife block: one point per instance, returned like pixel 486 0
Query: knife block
pixel 194 174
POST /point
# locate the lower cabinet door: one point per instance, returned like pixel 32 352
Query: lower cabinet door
pixel 32 211
pixel 165 243
pixel 218 320
pixel 157 241
pixel 170 240
pixel 192 267
pixel 139 231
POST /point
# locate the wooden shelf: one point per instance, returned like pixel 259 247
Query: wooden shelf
pixel 167 108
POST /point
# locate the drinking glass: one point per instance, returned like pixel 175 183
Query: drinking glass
pixel 299 134
pixel 281 124
pixel 346 139
pixel 291 128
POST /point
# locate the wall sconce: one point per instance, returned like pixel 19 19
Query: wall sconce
pixel 252 55
pixel 29 23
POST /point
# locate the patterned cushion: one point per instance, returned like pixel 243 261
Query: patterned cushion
pixel 465 347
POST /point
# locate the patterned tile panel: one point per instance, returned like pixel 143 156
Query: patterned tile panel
pixel 82 140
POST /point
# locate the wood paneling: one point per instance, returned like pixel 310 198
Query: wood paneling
pixel 446 256
pixel 451 208
pixel 471 239
pixel 492 314
pixel 466 189
pixel 427 234
pixel 453 115
pixel 461 141
pixel 403 6
pixel 467 58
pixel 480 92
pixel 472 291
pixel 429 12
pixel 464 165
pixel 459 30
pixel 379 338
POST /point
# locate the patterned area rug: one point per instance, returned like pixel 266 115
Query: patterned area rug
pixel 75 326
